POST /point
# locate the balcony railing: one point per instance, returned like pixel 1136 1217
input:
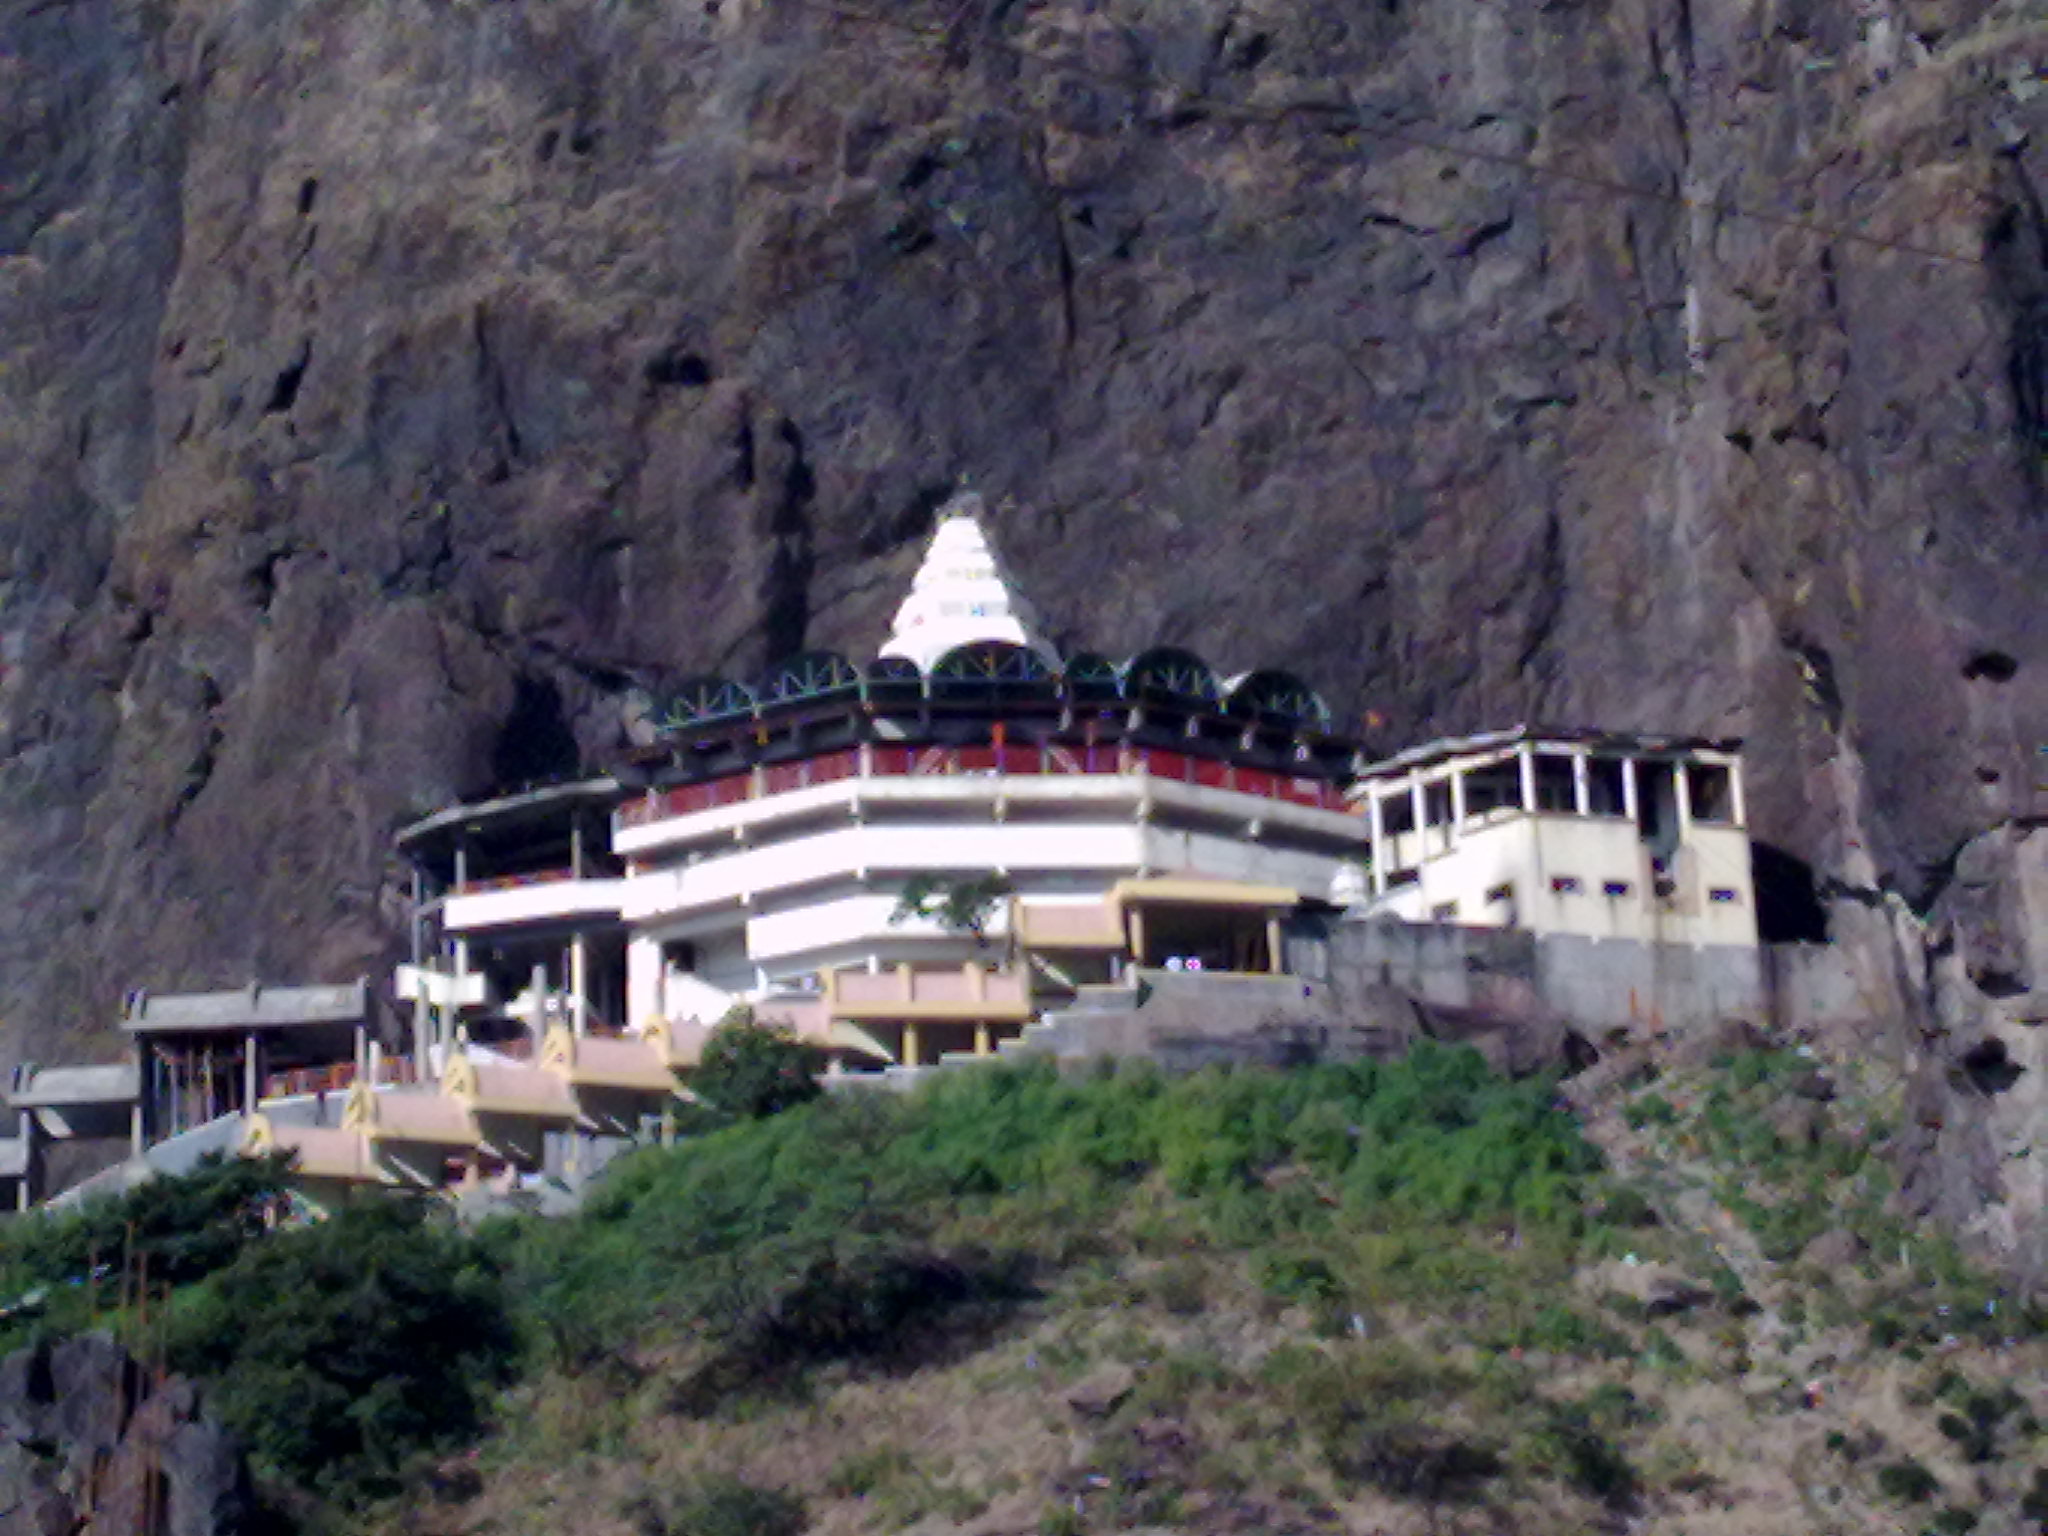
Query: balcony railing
pixel 889 762
pixel 338 1078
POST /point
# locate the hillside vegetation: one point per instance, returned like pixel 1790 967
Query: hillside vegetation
pixel 1406 1297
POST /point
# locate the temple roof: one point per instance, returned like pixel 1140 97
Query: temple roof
pixel 963 595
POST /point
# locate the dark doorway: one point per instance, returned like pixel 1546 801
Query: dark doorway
pixel 1788 905
pixel 535 744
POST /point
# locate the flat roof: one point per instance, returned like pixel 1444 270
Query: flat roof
pixel 510 810
pixel 1574 736
pixel 246 1008
pixel 56 1087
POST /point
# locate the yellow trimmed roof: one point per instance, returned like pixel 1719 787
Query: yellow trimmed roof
pixel 522 1092
pixel 1201 891
pixel 432 1119
pixel 595 1062
pixel 318 1151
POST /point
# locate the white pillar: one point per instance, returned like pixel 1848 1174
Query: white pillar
pixel 1681 796
pixel 250 1086
pixel 1377 810
pixel 1418 809
pixel 1525 764
pixel 1737 808
pixel 1582 785
pixel 1457 804
pixel 579 983
pixel 1628 788
pixel 644 990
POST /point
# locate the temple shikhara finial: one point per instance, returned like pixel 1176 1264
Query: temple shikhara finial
pixel 963 594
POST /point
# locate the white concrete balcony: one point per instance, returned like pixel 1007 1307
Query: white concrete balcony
pixel 858 853
pixel 441 989
pixel 553 897
pixel 983 782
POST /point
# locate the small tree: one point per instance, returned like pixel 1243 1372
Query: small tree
pixel 754 1070
pixel 959 906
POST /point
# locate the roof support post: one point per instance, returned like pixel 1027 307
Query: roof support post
pixel 1457 804
pixel 1736 806
pixel 1628 788
pixel 1582 784
pixel 249 1080
pixel 579 983
pixel 1681 797
pixel 1377 809
pixel 1525 769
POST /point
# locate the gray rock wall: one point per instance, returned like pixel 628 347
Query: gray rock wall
pixel 93 1445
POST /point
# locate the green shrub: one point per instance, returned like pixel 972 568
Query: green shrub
pixel 184 1227
pixel 1651 1109
pixel 1907 1482
pixel 340 1351
pixel 752 1070
pixel 716 1506
pixel 862 1473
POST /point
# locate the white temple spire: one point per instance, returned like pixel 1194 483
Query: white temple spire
pixel 963 594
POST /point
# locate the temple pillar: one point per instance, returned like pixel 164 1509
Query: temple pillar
pixel 910 1043
pixel 249 1084
pixel 579 983
pixel 1377 810
pixel 1276 951
pixel 981 1040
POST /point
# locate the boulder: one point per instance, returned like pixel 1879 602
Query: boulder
pixel 91 1446
pixel 1100 1393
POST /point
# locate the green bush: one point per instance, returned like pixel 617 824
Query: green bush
pixel 183 1227
pixel 340 1351
pixel 717 1506
pixel 752 1070
pixel 1907 1482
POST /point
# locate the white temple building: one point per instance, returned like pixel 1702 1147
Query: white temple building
pixel 1109 816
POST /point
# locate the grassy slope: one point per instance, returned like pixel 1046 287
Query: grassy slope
pixel 1395 1302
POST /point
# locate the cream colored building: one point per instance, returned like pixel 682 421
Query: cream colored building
pixel 1599 835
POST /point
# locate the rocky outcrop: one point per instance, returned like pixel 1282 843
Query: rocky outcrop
pixel 385 391
pixel 92 1445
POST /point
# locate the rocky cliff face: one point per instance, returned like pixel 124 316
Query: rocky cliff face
pixel 93 1444
pixel 384 390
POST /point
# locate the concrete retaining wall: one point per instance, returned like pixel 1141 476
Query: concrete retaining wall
pixel 1593 985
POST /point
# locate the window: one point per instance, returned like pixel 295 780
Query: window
pixel 1502 892
pixel 1615 888
pixel 1402 877
pixel 1711 787
pixel 1555 791
pixel 1397 814
pixel 1566 885
pixel 1436 803
pixel 1444 912
pixel 1723 895
pixel 1603 776
pixel 1495 787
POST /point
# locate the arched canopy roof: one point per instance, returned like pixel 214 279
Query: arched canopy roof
pixel 812 675
pixel 1166 671
pixel 991 662
pixel 894 669
pixel 701 700
pixel 1090 676
pixel 1277 696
